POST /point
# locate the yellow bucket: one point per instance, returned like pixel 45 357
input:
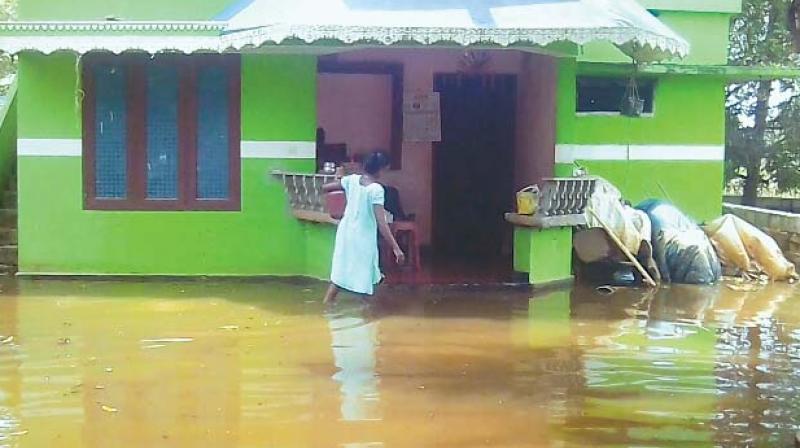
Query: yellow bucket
pixel 528 200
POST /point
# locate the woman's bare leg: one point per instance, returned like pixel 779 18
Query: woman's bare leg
pixel 330 296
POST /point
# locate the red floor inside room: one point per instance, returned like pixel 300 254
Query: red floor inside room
pixel 453 271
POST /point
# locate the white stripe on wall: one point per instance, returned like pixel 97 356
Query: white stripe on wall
pixel 279 150
pixel 49 147
pixel 571 153
pixel 71 147
pixel 59 147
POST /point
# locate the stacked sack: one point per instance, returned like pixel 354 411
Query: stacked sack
pixel 742 246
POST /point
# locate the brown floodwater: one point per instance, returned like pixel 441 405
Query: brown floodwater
pixel 264 364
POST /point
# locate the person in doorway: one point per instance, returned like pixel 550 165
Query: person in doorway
pixel 355 255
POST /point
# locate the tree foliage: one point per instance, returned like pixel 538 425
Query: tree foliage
pixel 8 10
pixel 793 22
pixel 763 133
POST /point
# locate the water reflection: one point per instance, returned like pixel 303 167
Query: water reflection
pixel 354 350
pixel 231 364
pixel 758 364
pixel 10 379
pixel 650 381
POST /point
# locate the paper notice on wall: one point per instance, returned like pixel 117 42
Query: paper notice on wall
pixel 422 118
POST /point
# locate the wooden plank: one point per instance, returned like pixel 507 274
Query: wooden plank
pixel 647 279
pixel 309 215
pixel 545 222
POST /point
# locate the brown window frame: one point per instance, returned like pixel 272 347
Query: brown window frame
pixel 136 103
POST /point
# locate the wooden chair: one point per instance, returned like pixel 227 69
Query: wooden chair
pixel 408 229
pixel 404 227
pixel 405 230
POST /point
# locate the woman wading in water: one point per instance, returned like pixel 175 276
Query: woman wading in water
pixel 355 256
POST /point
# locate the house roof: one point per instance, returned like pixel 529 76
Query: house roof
pixel 266 23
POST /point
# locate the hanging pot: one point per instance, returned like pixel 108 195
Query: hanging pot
pixel 632 106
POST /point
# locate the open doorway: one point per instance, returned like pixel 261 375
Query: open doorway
pixel 473 181
pixel 454 191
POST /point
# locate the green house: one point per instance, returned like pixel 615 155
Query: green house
pixel 183 137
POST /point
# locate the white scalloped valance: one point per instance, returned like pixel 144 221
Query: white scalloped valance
pixel 464 22
pixel 113 44
pixel 113 36
pixel 646 46
pixel 113 26
pixel 533 23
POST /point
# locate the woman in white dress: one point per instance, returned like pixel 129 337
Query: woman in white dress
pixel 355 255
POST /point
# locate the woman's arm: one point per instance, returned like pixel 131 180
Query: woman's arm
pixel 332 186
pixel 336 185
pixel 386 232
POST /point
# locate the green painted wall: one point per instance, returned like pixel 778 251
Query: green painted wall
pixel 57 236
pixel 522 249
pixel 262 239
pixel 551 256
pixel 706 32
pixel 48 100
pixel 689 110
pixel 279 95
pixel 695 187
pixel 123 9
pixel 319 243
pixel 548 253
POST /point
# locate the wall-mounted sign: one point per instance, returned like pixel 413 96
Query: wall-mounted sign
pixel 422 120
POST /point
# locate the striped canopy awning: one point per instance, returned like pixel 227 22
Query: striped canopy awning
pixel 463 22
pixel 269 23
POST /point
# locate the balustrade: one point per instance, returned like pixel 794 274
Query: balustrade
pixel 305 194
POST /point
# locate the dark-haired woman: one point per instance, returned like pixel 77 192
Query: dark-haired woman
pixel 355 255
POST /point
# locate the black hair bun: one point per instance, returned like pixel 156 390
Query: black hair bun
pixel 375 162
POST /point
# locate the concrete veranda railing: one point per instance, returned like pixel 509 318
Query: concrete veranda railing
pixel 791 205
pixel 304 191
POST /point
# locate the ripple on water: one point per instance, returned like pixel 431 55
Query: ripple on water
pixel 229 364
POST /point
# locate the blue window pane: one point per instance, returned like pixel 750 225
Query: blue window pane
pixel 213 163
pixel 111 133
pixel 162 132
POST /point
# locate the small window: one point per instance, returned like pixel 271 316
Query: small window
pixel 606 95
pixel 161 133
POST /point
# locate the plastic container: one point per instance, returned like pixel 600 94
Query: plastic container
pixel 335 203
pixel 528 200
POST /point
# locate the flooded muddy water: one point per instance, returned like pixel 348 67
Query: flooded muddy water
pixel 257 364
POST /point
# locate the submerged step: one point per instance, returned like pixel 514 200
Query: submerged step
pixel 8 236
pixel 8 217
pixel 8 254
pixel 10 199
